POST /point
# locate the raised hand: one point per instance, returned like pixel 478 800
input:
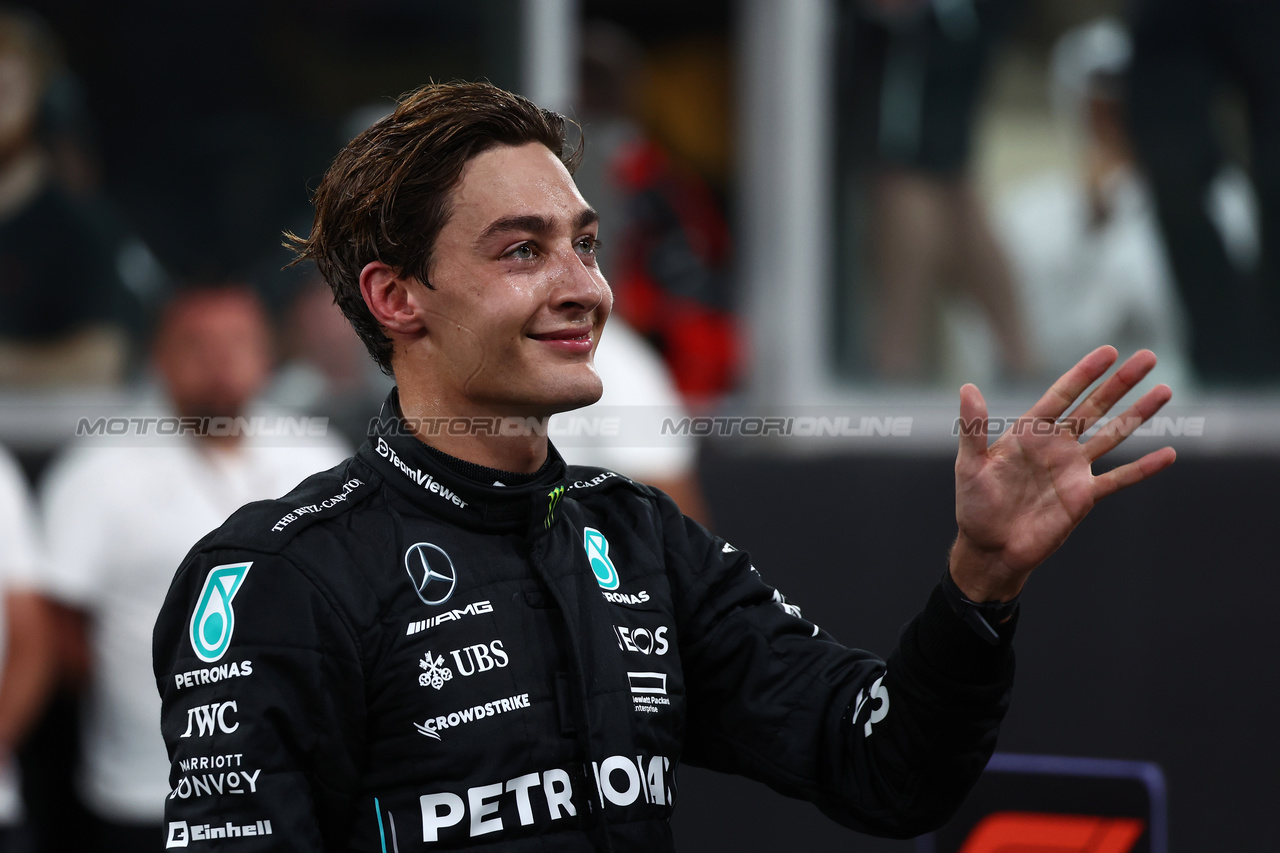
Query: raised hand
pixel 1019 498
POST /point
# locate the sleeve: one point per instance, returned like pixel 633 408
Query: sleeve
pixel 80 529
pixel 263 710
pixel 887 747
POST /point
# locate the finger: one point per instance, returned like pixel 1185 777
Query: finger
pixel 973 423
pixel 1120 428
pixel 1136 471
pixel 1109 393
pixel 1073 383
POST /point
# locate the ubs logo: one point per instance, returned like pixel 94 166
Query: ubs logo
pixel 431 572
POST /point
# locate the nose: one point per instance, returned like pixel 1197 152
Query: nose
pixel 580 289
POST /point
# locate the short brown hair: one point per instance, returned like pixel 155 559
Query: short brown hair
pixel 386 196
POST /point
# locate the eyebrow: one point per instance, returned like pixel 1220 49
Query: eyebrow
pixel 535 224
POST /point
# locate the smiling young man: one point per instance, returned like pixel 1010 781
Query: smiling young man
pixel 452 640
pixel 513 312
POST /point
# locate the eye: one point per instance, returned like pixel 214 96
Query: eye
pixel 588 245
pixel 523 252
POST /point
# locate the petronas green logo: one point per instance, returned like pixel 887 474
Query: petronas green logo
pixel 214 621
pixel 554 495
pixel 597 548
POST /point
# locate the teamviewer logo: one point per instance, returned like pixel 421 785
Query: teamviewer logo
pixel 178 835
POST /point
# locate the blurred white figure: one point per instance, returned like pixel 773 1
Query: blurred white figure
pixel 26 643
pixel 120 516
pixel 622 430
pixel 1085 242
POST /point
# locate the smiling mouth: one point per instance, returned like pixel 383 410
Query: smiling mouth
pixel 564 335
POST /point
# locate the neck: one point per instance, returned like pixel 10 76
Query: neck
pixel 508 442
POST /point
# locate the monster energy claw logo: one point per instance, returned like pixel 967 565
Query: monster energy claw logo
pixel 597 548
pixel 555 495
pixel 214 620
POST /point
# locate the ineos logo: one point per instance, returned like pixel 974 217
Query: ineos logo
pixel 431 572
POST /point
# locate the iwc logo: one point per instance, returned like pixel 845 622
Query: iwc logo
pixel 214 621
pixel 431 572
pixel 597 548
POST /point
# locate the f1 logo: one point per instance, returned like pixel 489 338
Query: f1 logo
pixel 1021 832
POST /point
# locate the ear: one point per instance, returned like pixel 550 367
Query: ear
pixel 392 299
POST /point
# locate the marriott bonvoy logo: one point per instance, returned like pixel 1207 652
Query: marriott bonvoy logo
pixel 422 478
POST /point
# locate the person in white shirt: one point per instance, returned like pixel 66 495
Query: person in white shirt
pixel 121 514
pixel 26 646
pixel 1085 242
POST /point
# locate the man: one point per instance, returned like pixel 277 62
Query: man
pixel 1084 239
pixel 121 512
pixel 452 641
pixel 59 288
pixel 917 72
pixel 1187 54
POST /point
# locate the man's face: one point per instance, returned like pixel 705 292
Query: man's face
pixel 519 302
pixel 213 352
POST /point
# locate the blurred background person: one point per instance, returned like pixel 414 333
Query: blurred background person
pixel 651 148
pixel 26 644
pixel 121 515
pixel 1083 240
pixel 917 70
pixel 326 370
pixel 60 295
pixel 1188 55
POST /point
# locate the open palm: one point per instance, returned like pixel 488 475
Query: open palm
pixel 1019 498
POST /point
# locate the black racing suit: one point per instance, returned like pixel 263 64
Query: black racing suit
pixel 398 657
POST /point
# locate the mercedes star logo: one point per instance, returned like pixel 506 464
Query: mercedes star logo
pixel 431 572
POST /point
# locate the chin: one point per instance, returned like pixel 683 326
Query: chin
pixel 583 394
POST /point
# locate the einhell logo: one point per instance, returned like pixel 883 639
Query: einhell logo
pixel 1022 832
